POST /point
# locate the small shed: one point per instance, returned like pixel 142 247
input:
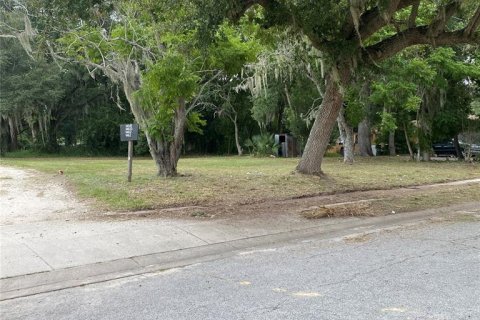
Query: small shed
pixel 287 145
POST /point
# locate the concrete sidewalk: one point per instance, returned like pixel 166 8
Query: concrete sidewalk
pixel 51 245
pixel 52 255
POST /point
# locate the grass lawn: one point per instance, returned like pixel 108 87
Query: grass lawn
pixel 234 180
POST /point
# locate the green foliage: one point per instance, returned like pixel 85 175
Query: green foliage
pixel 452 117
pixel 164 84
pixel 161 39
pixel 195 122
pixel 48 101
pixel 395 94
pixel 60 107
pixel 265 108
pixel 355 105
pixel 429 89
pixel 168 80
pixel 448 62
pixel 27 84
pixel 132 38
pixel 399 88
pixel 299 116
pixel 234 47
pixel 388 122
pixel 323 16
pixel 262 145
pixel 96 129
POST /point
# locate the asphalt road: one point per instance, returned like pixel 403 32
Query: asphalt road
pixel 428 271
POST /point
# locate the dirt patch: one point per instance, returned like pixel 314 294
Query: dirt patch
pixel 359 203
pixel 343 209
pixel 27 196
pixel 358 238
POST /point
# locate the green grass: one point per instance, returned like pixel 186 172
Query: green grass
pixel 234 180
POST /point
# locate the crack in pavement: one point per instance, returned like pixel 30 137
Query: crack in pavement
pixel 193 235
pixel 38 256
pixel 387 265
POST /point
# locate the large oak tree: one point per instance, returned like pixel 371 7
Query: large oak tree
pixel 356 34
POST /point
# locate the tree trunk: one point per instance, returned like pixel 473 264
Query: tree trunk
pixel 391 143
pixel 33 130
pixel 180 119
pixel 4 135
pixel 347 131
pixel 237 137
pixel 165 168
pixel 317 142
pixel 407 139
pixel 42 131
pixel 364 142
pixel 13 134
pixel 166 152
pixel 341 132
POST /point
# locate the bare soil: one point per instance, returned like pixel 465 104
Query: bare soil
pixel 27 195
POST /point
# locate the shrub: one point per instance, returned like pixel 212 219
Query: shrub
pixel 262 145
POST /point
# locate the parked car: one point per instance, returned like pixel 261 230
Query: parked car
pixel 445 149
pixel 472 149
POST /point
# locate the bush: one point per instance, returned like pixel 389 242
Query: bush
pixel 262 145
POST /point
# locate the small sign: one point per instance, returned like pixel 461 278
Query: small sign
pixel 129 132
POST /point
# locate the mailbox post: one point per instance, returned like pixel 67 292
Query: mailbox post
pixel 129 132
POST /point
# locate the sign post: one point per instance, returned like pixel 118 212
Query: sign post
pixel 130 159
pixel 129 132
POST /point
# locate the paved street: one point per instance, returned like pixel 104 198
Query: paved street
pixel 421 271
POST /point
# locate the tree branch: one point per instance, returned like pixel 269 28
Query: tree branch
pixel 375 19
pixel 419 35
pixel 200 92
pixel 444 14
pixel 315 82
pixel 114 75
pixel 413 14
pixel 474 23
